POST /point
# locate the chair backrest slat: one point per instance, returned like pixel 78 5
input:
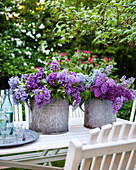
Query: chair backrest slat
pixel 74 155
pixel 106 153
pixel 112 137
pixel 132 161
pixel 102 137
pixel 85 164
pixel 132 116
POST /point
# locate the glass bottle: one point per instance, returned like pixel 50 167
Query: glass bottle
pixel 8 108
pixel 3 119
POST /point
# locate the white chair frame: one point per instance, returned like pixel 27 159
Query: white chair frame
pixel 113 147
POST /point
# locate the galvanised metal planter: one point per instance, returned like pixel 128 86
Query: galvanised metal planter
pixel 98 113
pixel 51 118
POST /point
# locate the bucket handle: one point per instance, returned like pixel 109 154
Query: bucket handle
pixel 80 106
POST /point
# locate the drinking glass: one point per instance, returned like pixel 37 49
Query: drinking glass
pixel 5 132
pixel 18 132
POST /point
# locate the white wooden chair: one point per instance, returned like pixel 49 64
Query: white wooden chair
pixel 109 148
pixel 132 116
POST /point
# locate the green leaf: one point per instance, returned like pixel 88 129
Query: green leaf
pixel 43 81
pixel 31 94
pixel 70 99
pixel 71 36
pixel 56 82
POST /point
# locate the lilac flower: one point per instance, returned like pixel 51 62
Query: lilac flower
pixel 72 79
pixel 20 94
pixel 68 90
pixel 127 83
pixel 97 92
pixel 100 80
pixel 108 69
pixel 51 78
pixel 63 76
pixel 41 96
pixel 24 77
pixel 82 77
pixel 96 73
pixel 13 82
pixel 104 87
pixel 133 94
pixel 111 82
pixel 76 97
pixel 31 82
pixel 117 104
pixel 123 78
pixel 55 66
pixel 14 99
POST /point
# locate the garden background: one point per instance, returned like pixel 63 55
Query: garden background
pixel 80 34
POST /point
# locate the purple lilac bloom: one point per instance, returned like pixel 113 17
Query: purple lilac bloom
pixel 97 92
pixel 101 70
pixel 14 99
pixel 24 77
pixel 111 82
pixel 123 78
pixel 72 79
pixel 68 90
pixel 20 94
pixel 117 104
pixel 104 87
pixel 62 76
pixel 108 69
pixel 133 94
pixel 13 83
pixel 100 80
pixel 41 96
pixel 96 73
pixel 76 97
pixel 31 82
pixel 51 78
pixel 82 77
pixel 39 76
pixel 55 66
pixel 127 83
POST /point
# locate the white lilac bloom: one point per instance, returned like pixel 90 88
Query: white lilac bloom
pixel 29 34
pixel 8 9
pixel 42 26
pixel 25 64
pixel 12 39
pixel 33 31
pixel 19 42
pixel 38 35
pixel 44 63
pixel 13 55
pixel 43 49
pixel 23 30
pixel 60 45
pixel 28 53
pixel 47 51
pixel 39 60
pixel 15 14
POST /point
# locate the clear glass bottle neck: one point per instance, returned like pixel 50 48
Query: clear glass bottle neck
pixel 6 92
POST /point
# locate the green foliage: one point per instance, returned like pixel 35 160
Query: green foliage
pixel 80 61
pixel 125 110
pixel 79 3
pixel 30 32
